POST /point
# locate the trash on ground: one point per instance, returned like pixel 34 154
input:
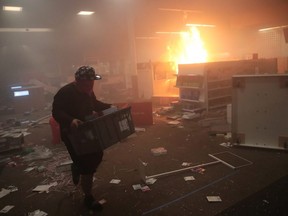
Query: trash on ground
pixel 65 166
pixel 12 188
pixel 145 188
pixel 29 169
pixel 6 209
pixel 186 164
pixel 115 181
pixel 158 151
pixel 136 187
pixel 214 198
pixel 189 178
pixel 4 192
pixel 151 181
pixel 44 188
pixel 40 152
pixel 37 213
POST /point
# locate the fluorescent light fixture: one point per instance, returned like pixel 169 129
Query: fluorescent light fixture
pixel 12 8
pixel 85 13
pixel 16 87
pixel 162 32
pixel 21 93
pixel 26 30
pixel 200 25
pixel 272 28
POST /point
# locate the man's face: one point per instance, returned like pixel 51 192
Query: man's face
pixel 85 86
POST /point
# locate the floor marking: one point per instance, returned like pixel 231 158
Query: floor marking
pixel 186 195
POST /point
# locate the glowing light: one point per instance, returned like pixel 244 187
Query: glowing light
pixel 12 8
pixel 272 28
pixel 188 49
pixel 86 13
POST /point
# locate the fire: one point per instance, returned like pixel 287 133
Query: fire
pixel 188 49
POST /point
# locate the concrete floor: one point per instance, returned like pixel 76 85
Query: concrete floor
pixel 243 190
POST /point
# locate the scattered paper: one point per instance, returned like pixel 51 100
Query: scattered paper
pixel 115 181
pixel 12 188
pixel 44 188
pixel 145 188
pixel 4 192
pixel 6 209
pixel 189 178
pixel 214 198
pixel 136 187
pixel 158 151
pixel 186 164
pixel 37 213
pixel 151 181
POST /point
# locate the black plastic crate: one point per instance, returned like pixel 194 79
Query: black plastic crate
pixel 103 132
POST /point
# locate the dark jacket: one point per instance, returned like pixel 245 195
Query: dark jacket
pixel 69 103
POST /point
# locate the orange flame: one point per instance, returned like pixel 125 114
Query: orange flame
pixel 189 49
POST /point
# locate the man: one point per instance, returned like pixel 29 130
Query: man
pixel 72 104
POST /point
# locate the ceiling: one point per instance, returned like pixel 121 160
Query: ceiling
pixel 149 15
pixel 110 28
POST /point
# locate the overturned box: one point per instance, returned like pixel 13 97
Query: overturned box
pixel 103 132
pixel 259 111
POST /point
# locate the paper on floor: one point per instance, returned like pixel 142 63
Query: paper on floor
pixel 43 188
pixel 189 178
pixel 6 209
pixel 214 198
pixel 115 181
pixel 4 192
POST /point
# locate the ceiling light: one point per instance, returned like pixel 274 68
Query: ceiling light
pixel 85 13
pixel 272 28
pixel 200 25
pixel 12 8
pixel 25 30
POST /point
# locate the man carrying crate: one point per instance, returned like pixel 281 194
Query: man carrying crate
pixel 72 104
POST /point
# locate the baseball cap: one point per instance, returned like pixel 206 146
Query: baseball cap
pixel 86 73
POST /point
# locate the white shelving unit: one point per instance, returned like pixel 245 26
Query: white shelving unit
pixel 259 111
pixel 207 86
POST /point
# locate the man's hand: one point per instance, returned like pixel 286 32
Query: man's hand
pixel 75 123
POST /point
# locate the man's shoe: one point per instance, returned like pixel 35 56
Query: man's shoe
pixel 75 174
pixel 91 204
